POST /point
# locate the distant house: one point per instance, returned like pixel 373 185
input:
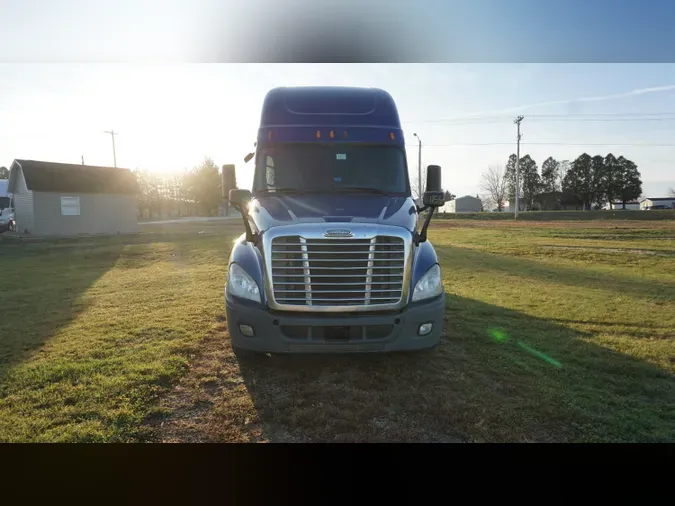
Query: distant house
pixel 466 204
pixel 511 207
pixel 65 199
pixel 650 203
pixel 633 205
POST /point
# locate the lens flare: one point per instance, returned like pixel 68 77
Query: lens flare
pixel 501 336
pixel 539 354
pixel 498 335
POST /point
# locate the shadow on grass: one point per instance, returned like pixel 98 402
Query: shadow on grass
pixel 477 261
pixel 42 288
pixel 612 249
pixel 499 375
pixel 43 280
pixel 631 325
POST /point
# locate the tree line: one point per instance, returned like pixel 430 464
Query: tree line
pixel 589 182
pixel 195 192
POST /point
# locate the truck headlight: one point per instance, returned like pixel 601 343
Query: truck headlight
pixel 430 285
pixel 240 284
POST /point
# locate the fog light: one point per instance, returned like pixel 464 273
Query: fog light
pixel 247 330
pixel 425 329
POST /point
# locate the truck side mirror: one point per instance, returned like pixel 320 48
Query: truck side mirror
pixel 240 198
pixel 433 196
pixel 248 157
pixel 228 180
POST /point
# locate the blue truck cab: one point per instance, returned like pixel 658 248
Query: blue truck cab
pixel 334 257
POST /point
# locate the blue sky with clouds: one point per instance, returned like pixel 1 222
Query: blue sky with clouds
pixel 169 115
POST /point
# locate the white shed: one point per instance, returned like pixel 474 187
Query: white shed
pixel 66 199
pixel 465 204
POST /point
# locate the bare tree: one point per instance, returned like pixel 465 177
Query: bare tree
pixel 672 192
pixel 494 185
pixel 487 200
pixel 414 183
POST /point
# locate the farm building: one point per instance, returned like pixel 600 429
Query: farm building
pixel 649 203
pixel 633 205
pixel 511 206
pixel 466 204
pixel 66 199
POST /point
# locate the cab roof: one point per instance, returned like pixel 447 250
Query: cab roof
pixel 335 106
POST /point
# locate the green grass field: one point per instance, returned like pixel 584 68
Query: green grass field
pixel 558 331
pixel 621 214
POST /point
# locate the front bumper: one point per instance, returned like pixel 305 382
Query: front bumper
pixel 280 332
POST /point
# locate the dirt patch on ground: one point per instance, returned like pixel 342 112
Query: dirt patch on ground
pixel 211 403
pixel 225 398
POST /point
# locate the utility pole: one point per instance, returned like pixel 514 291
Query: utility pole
pixel 113 134
pixel 419 168
pixel 517 122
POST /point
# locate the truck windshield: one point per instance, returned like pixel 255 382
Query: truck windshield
pixel 4 203
pixel 330 168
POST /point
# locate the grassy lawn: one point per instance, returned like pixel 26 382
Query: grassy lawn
pixel 545 216
pixel 558 331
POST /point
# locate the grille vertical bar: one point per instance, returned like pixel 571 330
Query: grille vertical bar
pixel 369 273
pixel 306 271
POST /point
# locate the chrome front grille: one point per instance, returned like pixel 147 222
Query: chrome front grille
pixel 342 272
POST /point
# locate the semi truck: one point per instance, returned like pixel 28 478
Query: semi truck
pixel 335 255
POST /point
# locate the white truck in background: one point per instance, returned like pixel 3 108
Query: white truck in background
pixel 6 208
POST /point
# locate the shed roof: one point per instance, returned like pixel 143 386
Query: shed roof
pixel 66 177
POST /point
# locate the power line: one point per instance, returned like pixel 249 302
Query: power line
pixel 624 117
pixel 612 120
pixel 609 114
pixel 551 119
pixel 460 144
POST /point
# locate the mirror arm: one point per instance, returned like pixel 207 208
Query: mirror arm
pixel 422 235
pixel 250 236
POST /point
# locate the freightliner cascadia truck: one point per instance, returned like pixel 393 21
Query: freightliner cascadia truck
pixel 335 256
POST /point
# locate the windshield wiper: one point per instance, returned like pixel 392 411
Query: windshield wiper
pixel 286 191
pixel 357 189
pixel 339 189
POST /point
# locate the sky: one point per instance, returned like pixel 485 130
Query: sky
pixel 404 30
pixel 170 116
pixel 76 68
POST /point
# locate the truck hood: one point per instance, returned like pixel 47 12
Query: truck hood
pixel 277 210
